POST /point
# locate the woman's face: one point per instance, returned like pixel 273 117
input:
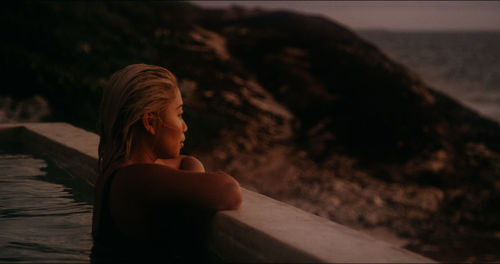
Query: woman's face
pixel 171 129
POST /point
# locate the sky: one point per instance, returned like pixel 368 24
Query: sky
pixel 389 15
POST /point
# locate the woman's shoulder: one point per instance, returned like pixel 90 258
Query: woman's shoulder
pixel 158 174
pixel 145 182
pixel 140 172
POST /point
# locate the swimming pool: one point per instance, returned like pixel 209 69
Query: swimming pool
pixel 46 214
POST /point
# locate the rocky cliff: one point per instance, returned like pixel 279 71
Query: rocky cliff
pixel 296 107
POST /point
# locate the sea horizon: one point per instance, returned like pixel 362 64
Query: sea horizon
pixel 462 64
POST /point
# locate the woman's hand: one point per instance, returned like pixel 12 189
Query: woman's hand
pixel 183 162
pixel 191 163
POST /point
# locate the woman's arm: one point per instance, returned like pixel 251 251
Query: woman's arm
pixel 157 184
pixel 140 194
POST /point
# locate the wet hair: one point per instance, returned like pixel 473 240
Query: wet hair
pixel 130 93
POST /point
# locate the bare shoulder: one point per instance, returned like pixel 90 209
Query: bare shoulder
pixel 147 181
pixel 191 163
pixel 141 173
pixel 151 179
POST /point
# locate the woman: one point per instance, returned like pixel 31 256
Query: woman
pixel 151 202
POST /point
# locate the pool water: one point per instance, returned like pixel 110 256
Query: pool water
pixel 45 213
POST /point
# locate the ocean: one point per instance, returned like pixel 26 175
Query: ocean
pixel 463 65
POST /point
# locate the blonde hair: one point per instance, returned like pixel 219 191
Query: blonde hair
pixel 130 93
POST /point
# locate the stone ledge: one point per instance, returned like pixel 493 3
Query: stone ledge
pixel 263 230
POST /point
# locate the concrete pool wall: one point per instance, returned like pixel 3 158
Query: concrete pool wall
pixel 262 230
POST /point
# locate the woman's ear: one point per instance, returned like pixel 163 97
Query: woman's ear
pixel 148 121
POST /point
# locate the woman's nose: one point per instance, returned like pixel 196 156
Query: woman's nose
pixel 185 127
